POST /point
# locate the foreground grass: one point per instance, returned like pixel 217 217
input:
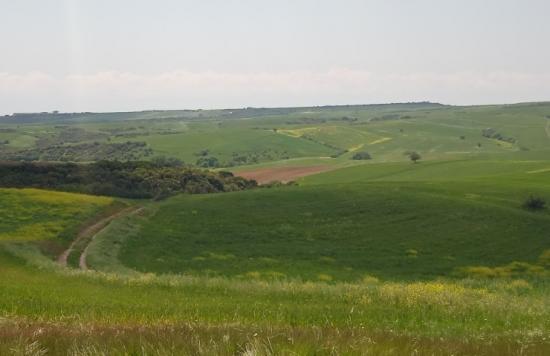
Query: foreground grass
pixel 198 339
pixel 64 309
pixel 47 309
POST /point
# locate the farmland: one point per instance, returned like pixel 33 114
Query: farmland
pixel 377 255
pixel 295 136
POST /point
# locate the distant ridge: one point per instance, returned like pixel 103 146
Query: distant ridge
pixel 56 116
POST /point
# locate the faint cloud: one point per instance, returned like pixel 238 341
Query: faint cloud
pixel 116 91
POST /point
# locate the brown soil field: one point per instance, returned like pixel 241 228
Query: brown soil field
pixel 282 174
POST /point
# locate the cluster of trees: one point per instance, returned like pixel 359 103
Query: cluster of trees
pixel 361 156
pixel 84 152
pixel 206 160
pixel 492 133
pixel 157 179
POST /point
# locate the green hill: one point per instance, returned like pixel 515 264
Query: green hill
pixel 46 308
pixel 449 255
pixel 273 136
pixel 324 232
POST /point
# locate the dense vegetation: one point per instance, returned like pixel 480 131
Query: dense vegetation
pixel 86 152
pixel 123 179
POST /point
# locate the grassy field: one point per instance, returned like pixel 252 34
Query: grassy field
pixel 280 136
pixel 374 274
pixel 381 257
pixel 37 215
pixel 343 232
pixel 56 310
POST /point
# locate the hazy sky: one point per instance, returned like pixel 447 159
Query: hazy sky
pixel 116 55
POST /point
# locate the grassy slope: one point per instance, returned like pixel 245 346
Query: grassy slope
pixel 433 131
pixel 222 142
pixel 38 215
pixel 345 231
pixel 44 307
pixel 469 205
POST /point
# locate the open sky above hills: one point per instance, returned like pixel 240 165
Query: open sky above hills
pixel 75 55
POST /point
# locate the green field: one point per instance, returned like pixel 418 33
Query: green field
pixel 382 257
pixel 36 215
pixel 274 136
pixel 388 230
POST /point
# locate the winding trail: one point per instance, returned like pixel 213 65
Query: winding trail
pixel 89 233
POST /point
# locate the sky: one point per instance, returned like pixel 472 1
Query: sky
pixel 126 55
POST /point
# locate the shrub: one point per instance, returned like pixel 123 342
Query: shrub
pixel 208 162
pixel 361 156
pixel 534 203
pixel 413 156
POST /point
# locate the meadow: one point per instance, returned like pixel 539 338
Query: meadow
pixel 392 231
pixel 381 256
pixel 326 135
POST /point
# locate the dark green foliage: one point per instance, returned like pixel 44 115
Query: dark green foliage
pixel 492 133
pixel 534 203
pixel 208 162
pixel 245 158
pixel 361 156
pixel 413 156
pixel 84 152
pixel 202 153
pixel 277 184
pixel 162 161
pixel 123 179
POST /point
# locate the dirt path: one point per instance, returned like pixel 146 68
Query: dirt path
pixel 82 261
pixel 89 233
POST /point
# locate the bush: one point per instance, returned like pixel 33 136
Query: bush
pixel 208 162
pixel 361 156
pixel 413 156
pixel 534 203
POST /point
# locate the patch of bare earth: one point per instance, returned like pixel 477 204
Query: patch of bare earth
pixel 282 174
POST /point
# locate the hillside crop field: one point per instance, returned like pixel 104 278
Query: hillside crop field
pixel 242 137
pixel 380 256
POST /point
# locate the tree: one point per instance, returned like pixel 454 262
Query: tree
pixel 414 156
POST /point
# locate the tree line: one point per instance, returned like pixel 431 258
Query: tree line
pixel 133 179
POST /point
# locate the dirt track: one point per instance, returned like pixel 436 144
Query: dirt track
pixel 88 233
pixel 282 174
